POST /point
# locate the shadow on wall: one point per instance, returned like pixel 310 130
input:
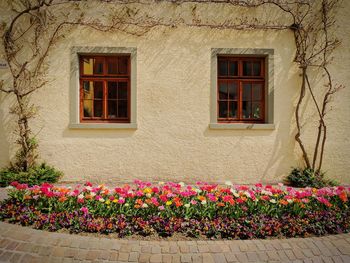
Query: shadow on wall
pixel 98 133
pixel 4 133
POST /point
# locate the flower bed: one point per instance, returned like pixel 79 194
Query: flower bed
pixel 167 208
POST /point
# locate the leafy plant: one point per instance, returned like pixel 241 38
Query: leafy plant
pixel 308 178
pixel 35 175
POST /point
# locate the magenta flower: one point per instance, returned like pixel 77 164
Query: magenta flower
pixel 85 210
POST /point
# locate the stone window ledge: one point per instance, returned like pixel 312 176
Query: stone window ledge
pixel 242 126
pixel 109 126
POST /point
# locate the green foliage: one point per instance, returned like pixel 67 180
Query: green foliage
pixel 307 177
pixel 34 176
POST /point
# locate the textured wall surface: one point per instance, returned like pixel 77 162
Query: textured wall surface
pixel 173 140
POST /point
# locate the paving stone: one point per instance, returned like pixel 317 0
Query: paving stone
pixel 186 258
pixel 134 257
pixel 215 248
pixel 155 258
pixel 92 255
pixel 113 256
pixel 252 256
pixel 262 255
pixel 167 258
pixel 123 256
pixel 156 250
pixel 197 258
pixel 272 255
pixel 219 258
pixel 242 257
pixel 230 257
pixel 208 258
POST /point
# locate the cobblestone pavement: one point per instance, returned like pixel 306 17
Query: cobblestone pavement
pixel 23 244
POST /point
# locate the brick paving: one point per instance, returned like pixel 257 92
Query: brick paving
pixel 24 244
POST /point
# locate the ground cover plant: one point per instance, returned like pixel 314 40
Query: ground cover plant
pixel 197 210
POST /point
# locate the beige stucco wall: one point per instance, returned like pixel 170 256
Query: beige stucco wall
pixel 173 140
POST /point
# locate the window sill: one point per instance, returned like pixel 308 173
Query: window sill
pixel 242 126
pixel 109 126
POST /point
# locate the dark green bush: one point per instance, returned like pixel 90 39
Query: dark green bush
pixel 35 175
pixel 307 177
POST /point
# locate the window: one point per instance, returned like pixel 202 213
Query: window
pixel 104 88
pixel 240 89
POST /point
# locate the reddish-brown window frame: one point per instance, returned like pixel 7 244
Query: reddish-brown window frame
pixel 240 79
pixel 105 78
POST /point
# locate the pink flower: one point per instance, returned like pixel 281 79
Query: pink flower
pixel 161 207
pixel 80 200
pixel 88 184
pixel 121 201
pixel 111 198
pixel 193 202
pixel 85 210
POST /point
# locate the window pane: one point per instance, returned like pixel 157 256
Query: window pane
pixel 123 65
pixel 112 109
pixel 98 90
pixel 256 68
pixel 246 110
pixel 233 68
pixel 122 108
pixel 233 90
pixel 233 109
pixel 98 66
pixel 257 91
pixel 112 65
pixel 247 91
pixel 223 68
pixel 223 109
pixel 223 95
pixel 97 108
pixel 87 108
pixel 247 68
pixel 88 89
pixel 256 110
pixel 112 90
pixel 122 90
pixel 88 65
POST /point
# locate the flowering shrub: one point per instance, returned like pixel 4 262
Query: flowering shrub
pixel 204 209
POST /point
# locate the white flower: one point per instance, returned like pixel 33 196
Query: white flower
pixel 144 205
pixel 290 201
pixel 92 194
pixel 187 205
pixel 161 183
pixel 204 202
pixel 81 196
pixel 182 184
pixel 247 194
pixel 228 183
pixel 101 200
pixel 273 201
pixel 10 187
pixel 198 190
pixel 126 204
pixel 148 195
pixel 89 188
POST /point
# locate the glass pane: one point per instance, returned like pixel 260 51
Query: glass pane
pixel 112 109
pixel 233 90
pixel 98 66
pixel 256 68
pixel 122 90
pixel 233 68
pixel 112 90
pixel 98 90
pixel 233 109
pixel 88 89
pixel 257 91
pixel 247 68
pixel 246 110
pixel 247 91
pixel 223 68
pixel 97 108
pixel 223 109
pixel 88 64
pixel 122 108
pixel 223 91
pixel 123 65
pixel 87 108
pixel 112 65
pixel 256 110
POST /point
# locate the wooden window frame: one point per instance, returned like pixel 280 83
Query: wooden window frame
pixel 240 79
pixel 104 78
